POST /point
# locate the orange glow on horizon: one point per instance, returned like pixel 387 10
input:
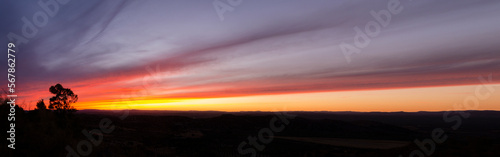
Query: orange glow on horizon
pixel 386 100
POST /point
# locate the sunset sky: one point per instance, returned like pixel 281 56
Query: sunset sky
pixel 263 56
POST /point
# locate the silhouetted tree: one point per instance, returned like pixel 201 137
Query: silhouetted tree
pixel 40 105
pixel 63 99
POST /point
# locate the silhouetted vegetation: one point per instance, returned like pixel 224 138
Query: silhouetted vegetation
pixel 42 132
pixel 63 99
pixel 40 105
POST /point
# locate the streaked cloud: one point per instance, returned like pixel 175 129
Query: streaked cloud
pixel 103 48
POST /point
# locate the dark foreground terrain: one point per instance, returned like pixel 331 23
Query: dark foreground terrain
pixel 170 133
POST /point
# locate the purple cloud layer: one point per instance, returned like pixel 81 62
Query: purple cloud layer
pixel 261 47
